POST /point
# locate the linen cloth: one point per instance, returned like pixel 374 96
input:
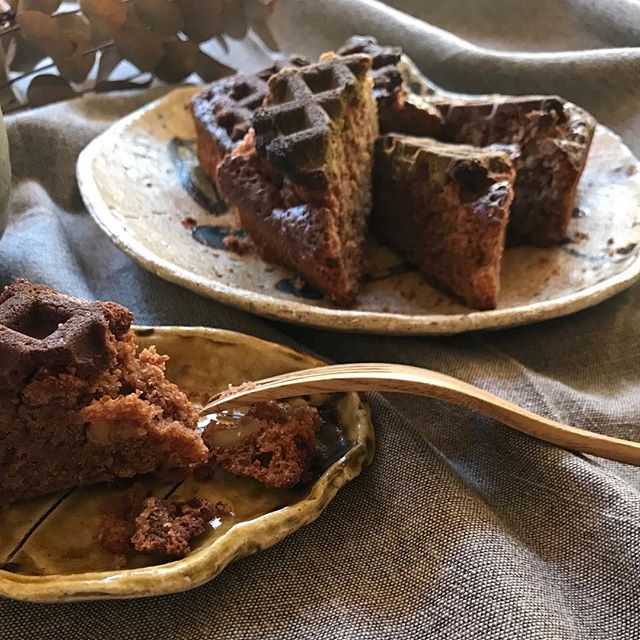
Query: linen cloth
pixel 461 528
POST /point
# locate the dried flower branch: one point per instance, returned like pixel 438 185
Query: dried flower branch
pixel 85 41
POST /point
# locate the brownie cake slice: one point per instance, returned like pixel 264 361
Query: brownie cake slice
pixel 554 137
pixel 77 404
pixel 300 181
pixel 398 107
pixel 222 112
pixel 445 207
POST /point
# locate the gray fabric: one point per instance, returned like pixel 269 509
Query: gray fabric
pixel 461 528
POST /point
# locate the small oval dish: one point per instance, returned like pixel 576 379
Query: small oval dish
pixel 48 546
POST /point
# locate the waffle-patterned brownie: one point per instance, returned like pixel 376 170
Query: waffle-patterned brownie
pixel 397 105
pixel 222 111
pixel 302 185
pixel 77 405
pixel 554 137
pixel 446 207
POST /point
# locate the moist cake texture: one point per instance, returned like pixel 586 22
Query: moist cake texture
pixel 445 207
pixel 300 181
pixel 273 442
pixel 77 404
pixel 222 112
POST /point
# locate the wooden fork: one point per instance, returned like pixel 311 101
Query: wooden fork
pixel 424 382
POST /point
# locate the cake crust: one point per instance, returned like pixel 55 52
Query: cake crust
pixel 222 112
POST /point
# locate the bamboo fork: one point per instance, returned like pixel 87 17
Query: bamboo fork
pixel 424 382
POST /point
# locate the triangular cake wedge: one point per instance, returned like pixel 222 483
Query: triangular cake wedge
pixel 77 404
pixel 300 181
pixel 446 208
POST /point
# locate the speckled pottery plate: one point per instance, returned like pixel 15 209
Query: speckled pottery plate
pixel 141 182
pixel 48 547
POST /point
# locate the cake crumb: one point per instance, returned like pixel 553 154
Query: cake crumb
pixel 241 246
pixel 133 520
pixel 166 527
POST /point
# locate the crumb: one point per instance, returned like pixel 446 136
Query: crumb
pixel 241 246
pixel 117 521
pixel 610 241
pixel 222 509
pixel 188 223
pixel 627 249
pixel 132 520
pixel 166 528
pixel 631 170
pixel 579 236
pixel 298 283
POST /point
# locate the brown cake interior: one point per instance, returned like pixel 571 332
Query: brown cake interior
pixel 83 408
pixel 273 442
pixel 302 187
pixel 446 208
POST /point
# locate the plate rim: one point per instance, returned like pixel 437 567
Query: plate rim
pixel 207 562
pixel 350 320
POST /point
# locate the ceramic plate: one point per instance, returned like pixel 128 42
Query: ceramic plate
pixel 48 548
pixel 141 182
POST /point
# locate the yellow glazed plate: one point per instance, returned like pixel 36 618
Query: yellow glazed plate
pixel 48 547
pixel 141 182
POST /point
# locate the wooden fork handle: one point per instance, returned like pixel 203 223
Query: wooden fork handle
pixel 424 382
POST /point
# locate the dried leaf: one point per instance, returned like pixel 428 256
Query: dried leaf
pixel 25 56
pixel 120 85
pixel 263 31
pixel 46 88
pixel 222 42
pixel 202 18
pixel 179 60
pixel 74 23
pixel 163 16
pixel 258 10
pixel 44 32
pixel 234 21
pixel 76 67
pixel 7 95
pixel 45 6
pixel 106 16
pixel 110 58
pixel 209 69
pixel 140 46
